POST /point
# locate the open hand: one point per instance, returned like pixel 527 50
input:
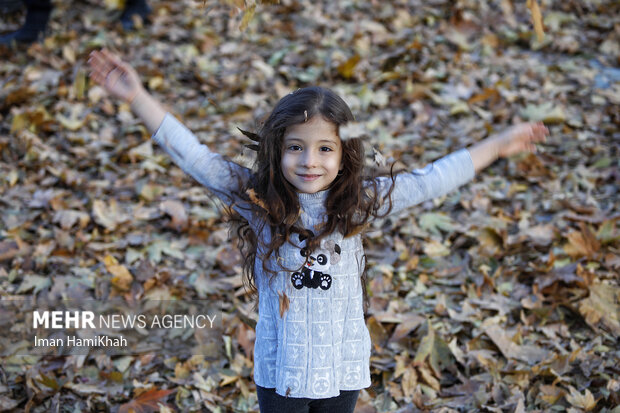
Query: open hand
pixel 117 77
pixel 520 138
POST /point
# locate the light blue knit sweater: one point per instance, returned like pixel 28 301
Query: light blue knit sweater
pixel 320 345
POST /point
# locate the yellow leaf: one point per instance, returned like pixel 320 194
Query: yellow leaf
pixel 68 53
pixel 228 379
pixel 114 4
pixel 583 401
pixel 72 124
pixel 428 377
pixel 435 248
pixel 20 122
pixel 602 305
pixel 108 216
pixel 545 112
pixel 346 69
pixel 79 84
pixel 247 17
pixel 122 277
pixel 156 82
pixel 181 371
pixel 536 19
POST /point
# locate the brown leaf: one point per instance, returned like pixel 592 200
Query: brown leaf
pixel 487 93
pixel 108 215
pixel 284 303
pixel 8 250
pixel 406 326
pixel 245 338
pixel 602 306
pixel 255 199
pixel 551 393
pixel 582 243
pixel 177 211
pixel 566 274
pixel 147 402
pixel 510 349
pixel 378 334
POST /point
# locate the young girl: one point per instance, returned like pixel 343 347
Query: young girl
pixel 303 206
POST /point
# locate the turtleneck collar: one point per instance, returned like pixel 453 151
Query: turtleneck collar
pixel 313 199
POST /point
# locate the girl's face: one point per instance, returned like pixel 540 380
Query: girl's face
pixel 312 155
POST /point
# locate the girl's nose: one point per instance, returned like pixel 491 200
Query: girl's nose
pixel 309 159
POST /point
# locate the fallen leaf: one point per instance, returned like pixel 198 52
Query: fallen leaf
pixel 528 353
pixel 583 401
pixel 284 302
pixel 35 283
pixel 435 221
pixel 68 218
pixel 255 199
pixel 602 306
pixel 347 69
pixel 536 19
pixel 582 243
pixel 122 278
pixel 147 402
pixel 176 210
pixel 545 112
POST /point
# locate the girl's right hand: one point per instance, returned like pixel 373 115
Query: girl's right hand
pixel 117 77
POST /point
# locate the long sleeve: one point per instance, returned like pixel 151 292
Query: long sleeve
pixel 220 176
pixel 432 181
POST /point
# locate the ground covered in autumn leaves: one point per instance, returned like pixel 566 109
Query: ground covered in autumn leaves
pixel 503 296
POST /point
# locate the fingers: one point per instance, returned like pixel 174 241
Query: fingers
pixel 540 129
pixel 102 64
pixel 535 132
pixel 538 133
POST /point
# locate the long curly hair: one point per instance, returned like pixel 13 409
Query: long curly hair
pixel 353 197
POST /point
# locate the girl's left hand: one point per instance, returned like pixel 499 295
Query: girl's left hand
pixel 521 138
pixel 117 77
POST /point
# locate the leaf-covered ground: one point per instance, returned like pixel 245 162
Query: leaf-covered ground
pixel 503 296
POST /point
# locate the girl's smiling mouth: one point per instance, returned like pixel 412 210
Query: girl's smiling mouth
pixel 308 177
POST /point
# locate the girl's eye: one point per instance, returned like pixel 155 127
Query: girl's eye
pixel 326 149
pixel 294 148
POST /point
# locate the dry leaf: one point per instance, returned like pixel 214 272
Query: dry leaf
pixel 583 401
pixel 147 402
pixel 255 199
pixel 122 278
pixel 602 305
pixel 347 68
pixel 528 353
pixel 537 19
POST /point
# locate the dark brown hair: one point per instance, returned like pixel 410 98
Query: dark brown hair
pixel 353 197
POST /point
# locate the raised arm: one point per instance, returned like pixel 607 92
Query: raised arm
pixel 221 176
pixel 456 169
pixel 516 139
pixel 121 81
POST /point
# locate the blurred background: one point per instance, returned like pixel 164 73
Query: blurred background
pixel 503 296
